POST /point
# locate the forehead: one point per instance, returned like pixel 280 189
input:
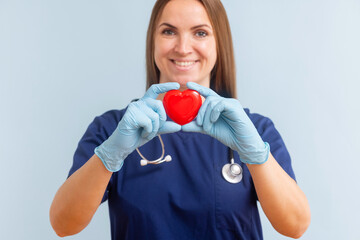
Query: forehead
pixel 184 12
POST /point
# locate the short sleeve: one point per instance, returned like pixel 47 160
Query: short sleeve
pixel 269 134
pixel 278 149
pixel 97 132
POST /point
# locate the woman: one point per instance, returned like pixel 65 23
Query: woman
pixel 188 46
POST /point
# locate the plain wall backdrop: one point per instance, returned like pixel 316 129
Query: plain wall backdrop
pixel 64 62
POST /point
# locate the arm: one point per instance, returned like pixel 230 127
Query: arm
pixel 283 202
pixel 78 198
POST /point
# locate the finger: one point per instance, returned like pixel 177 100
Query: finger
pixel 192 127
pixel 216 111
pixel 200 115
pixel 158 107
pixel 150 130
pixel 207 124
pixel 156 89
pixel 144 122
pixel 169 127
pixel 204 91
pixel 202 110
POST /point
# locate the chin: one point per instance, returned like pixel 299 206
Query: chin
pixel 182 80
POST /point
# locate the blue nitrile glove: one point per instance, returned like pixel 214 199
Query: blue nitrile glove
pixel 225 120
pixel 142 121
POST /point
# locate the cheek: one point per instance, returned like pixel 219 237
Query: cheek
pixel 157 57
pixel 157 54
pixel 161 51
pixel 208 51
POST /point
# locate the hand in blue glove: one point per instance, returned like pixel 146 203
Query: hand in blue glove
pixel 225 120
pixel 142 121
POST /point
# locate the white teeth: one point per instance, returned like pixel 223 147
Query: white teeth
pixel 184 64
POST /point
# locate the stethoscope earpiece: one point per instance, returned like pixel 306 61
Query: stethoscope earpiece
pixel 168 158
pixel 144 162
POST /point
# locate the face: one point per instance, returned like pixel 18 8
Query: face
pixel 185 47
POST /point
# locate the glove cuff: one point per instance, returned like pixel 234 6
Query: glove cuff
pixel 112 165
pixel 258 157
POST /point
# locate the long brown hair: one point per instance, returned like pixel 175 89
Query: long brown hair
pixel 223 76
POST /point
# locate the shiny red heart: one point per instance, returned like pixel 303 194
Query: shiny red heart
pixel 182 107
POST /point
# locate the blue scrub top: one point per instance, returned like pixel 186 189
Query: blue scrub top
pixel 186 198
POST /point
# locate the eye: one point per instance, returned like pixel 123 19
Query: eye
pixel 201 34
pixel 168 32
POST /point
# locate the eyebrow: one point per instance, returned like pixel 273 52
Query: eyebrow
pixel 195 27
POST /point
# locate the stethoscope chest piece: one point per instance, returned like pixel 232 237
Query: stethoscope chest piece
pixel 232 172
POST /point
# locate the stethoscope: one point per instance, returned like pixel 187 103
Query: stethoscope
pixel 231 172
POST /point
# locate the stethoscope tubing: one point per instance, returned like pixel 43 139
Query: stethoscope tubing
pixel 231 172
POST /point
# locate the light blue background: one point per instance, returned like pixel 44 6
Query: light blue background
pixel 64 62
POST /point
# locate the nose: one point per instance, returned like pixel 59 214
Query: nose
pixel 183 45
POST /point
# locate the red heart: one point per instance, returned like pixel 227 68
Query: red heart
pixel 182 107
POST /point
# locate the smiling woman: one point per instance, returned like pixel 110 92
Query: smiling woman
pixel 188 46
pixel 200 35
pixel 185 47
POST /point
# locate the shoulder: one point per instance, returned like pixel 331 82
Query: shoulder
pixel 110 117
pixel 265 127
pixel 106 123
pixel 270 134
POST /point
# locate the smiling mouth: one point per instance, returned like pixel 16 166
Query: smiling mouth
pixel 184 64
